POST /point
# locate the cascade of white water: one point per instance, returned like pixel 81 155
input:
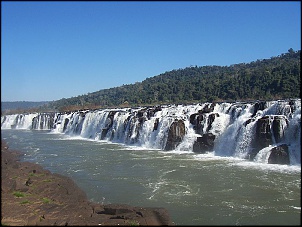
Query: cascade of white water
pixel 146 133
pixel 234 138
pixel 289 129
pixel 36 122
pixel 93 124
pixel 292 136
pixel 42 122
pixel 8 121
pixel 263 155
pixel 60 120
pixel 118 127
pixel 220 123
pixel 232 125
pixel 74 125
pixel 133 136
pixel 68 128
pixel 189 138
pixel 17 121
pixel 24 121
pixel 158 138
pixel 244 139
pixel 279 107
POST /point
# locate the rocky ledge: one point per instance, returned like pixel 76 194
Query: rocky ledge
pixel 31 195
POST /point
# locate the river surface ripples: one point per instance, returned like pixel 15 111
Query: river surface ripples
pixel 196 189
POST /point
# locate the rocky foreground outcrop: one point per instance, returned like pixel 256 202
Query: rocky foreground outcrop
pixel 31 195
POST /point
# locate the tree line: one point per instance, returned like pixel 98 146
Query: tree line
pixel 266 79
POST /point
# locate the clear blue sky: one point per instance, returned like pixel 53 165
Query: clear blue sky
pixel 54 50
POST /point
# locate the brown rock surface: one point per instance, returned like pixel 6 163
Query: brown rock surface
pixel 31 195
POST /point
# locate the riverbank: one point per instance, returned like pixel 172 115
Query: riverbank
pixel 32 195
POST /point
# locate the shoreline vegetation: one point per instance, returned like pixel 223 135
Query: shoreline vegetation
pixel 32 195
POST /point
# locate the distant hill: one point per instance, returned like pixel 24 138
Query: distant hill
pixel 5 106
pixel 266 79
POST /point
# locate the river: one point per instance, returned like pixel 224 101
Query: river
pixel 197 189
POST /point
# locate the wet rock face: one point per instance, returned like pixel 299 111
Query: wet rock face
pixel 148 112
pixel 109 123
pixel 259 106
pixel 278 126
pixel 211 119
pixel 267 128
pixel 202 124
pixel 207 109
pixel 199 120
pixel 65 124
pixel 176 133
pixel 37 122
pixel 133 131
pixel 156 124
pixel 279 155
pixel 263 133
pixel 204 143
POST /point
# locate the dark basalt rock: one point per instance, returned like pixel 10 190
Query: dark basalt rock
pixel 279 155
pixel 203 144
pixel 248 121
pixel 278 123
pixel 65 124
pixel 104 133
pixel 156 124
pixel 147 112
pixel 211 119
pixel 267 128
pixel 193 118
pixel 176 133
pixel 207 109
pixel 198 121
pixel 133 129
pixel 108 124
pixel 263 137
pixel 110 118
pixel 261 105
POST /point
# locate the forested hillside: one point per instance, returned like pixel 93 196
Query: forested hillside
pixel 20 106
pixel 266 79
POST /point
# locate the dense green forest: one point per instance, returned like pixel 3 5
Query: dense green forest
pixel 266 79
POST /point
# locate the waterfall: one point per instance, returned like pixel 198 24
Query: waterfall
pixel 235 138
pixel 258 131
